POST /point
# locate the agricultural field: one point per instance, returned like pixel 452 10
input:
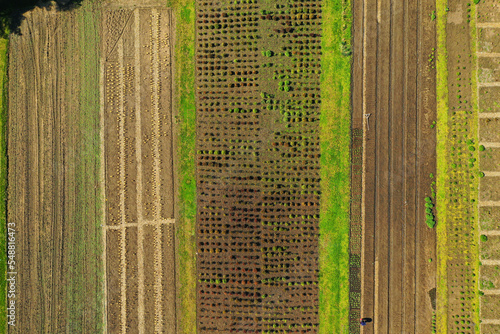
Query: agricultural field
pixel 252 166
pixel 54 207
pixel 257 85
pixel 393 134
pixel 138 175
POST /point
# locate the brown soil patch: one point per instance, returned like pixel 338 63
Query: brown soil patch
pixel 168 270
pixel 489 218
pixel 489 159
pixel 490 277
pixel 488 11
pixel 489 69
pixel 489 99
pixel 490 329
pixel 488 130
pixel 149 279
pixel 488 40
pixel 489 190
pixel 132 278
pixel 490 307
pixel 398 85
pixel 490 249
pixel 113 279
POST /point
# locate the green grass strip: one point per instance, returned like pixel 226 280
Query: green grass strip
pixel 184 12
pixel 4 46
pixel 442 177
pixel 335 126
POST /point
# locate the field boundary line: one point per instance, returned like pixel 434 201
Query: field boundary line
pixel 122 189
pixel 490 321
pixel 491 173
pixel 489 203
pixel 488 54
pixel 144 222
pixel 492 292
pixel 489 84
pixel 490 144
pixel 489 115
pixel 490 232
pixel 490 262
pixel 102 172
pixel 138 152
pixel 488 25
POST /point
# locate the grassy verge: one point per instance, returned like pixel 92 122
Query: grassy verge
pixel 4 44
pixel 184 13
pixel 442 177
pixel 335 126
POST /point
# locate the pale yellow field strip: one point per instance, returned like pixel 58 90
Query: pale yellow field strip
pixel 122 186
pixel 489 84
pixel 490 144
pixel 489 203
pixel 490 321
pixel 488 54
pixel 491 173
pixel 489 115
pixel 490 262
pixel 488 25
pixel 138 148
pixel 141 224
pixel 155 25
pixel 490 232
pixel 491 292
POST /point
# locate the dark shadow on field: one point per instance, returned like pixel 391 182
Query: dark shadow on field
pixel 12 12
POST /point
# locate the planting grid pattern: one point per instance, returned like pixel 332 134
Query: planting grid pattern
pixel 462 173
pixel 136 139
pixel 488 56
pixel 257 84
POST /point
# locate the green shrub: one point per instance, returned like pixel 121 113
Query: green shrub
pixel 484 238
pixel 428 200
pixel 481 148
pixel 480 292
pixel 476 2
pixel 472 148
pixel 481 174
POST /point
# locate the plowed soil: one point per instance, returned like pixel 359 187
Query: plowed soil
pixel 394 83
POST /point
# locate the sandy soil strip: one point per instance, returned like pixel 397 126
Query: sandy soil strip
pixel 488 84
pixel 490 144
pixel 156 171
pixel 487 54
pixel 491 292
pixel 138 152
pixel 122 188
pixel 490 321
pixel 489 114
pixel 490 262
pixel 488 25
pixel 491 173
pixel 490 232
pixel 159 221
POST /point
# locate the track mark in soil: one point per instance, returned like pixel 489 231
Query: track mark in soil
pixel 489 115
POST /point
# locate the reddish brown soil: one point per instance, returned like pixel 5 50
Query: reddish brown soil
pixel 257 167
pixel 168 258
pixel 394 82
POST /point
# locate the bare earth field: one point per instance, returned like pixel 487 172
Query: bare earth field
pixel 394 107
pixel 53 176
pixel 138 170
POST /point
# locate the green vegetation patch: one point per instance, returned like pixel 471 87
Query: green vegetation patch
pixel 335 126
pixel 186 121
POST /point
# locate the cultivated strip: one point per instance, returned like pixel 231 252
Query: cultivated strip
pixel 138 152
